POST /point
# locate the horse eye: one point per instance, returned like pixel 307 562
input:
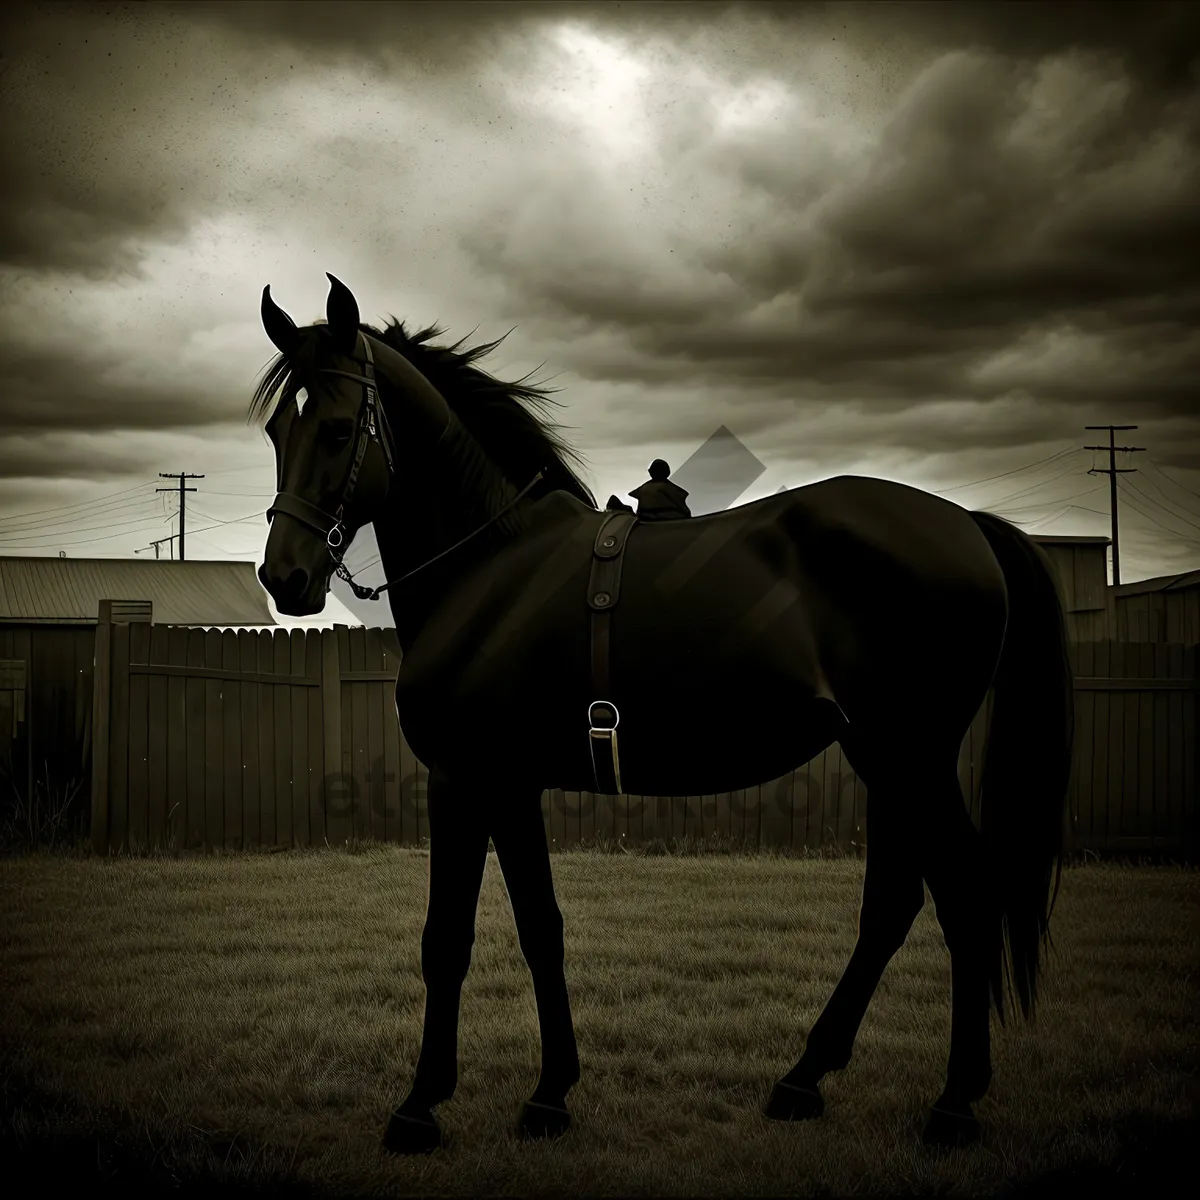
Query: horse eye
pixel 301 398
pixel 339 432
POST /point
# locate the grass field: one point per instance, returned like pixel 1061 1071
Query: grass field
pixel 250 1021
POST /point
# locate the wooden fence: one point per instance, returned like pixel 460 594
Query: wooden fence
pixel 210 738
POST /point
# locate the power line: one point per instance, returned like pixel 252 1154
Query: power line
pixel 49 537
pixel 1150 500
pixel 1173 482
pixel 228 520
pixel 1173 532
pixel 1048 503
pixel 37 512
pixel 1004 474
pixel 109 536
pixel 1032 488
pixel 109 509
pixel 1167 500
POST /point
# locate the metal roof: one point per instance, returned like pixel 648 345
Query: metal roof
pixel 1069 539
pixel 1160 583
pixel 69 590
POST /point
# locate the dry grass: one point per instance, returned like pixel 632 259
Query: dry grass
pixel 253 1019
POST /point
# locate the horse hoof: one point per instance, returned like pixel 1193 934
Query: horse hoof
pixel 791 1103
pixel 412 1135
pixel 950 1130
pixel 542 1121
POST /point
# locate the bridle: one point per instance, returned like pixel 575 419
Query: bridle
pixel 371 427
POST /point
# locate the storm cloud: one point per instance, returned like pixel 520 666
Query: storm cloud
pixel 925 241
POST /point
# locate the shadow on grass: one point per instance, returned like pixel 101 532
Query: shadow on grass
pixel 1152 1159
pixel 48 1142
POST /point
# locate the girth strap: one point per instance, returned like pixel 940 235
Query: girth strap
pixel 604 586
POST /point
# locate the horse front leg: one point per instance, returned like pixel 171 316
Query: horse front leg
pixel 519 836
pixel 458 841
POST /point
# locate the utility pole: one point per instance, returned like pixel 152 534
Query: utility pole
pixel 182 501
pixel 169 540
pixel 1112 472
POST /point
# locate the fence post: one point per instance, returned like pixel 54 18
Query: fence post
pixel 101 706
pixel 331 718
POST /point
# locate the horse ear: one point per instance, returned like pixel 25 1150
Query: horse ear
pixel 341 309
pixel 281 329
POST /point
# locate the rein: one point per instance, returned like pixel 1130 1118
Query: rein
pixel 372 426
pixel 366 593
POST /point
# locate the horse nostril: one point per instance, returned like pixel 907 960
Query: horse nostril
pixel 295 583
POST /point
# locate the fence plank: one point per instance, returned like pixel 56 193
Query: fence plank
pixel 157 709
pixel 604 821
pixel 1118 703
pixel 359 737
pixel 139 699
pixel 214 746
pixel 1141 809
pixel 1180 731
pixel 285 784
pixel 347 711
pixel 558 818
pixel 1161 708
pixel 777 813
pixel 1189 823
pixel 1126 814
pixel 119 794
pixel 101 733
pixel 1099 758
pixel 844 794
pixel 268 785
pixel 335 787
pixel 196 834
pixel 314 741
pixel 813 834
pixel 299 732
pixel 233 834
pixel 860 817
pixel 393 814
pixel 247 652
pixel 374 692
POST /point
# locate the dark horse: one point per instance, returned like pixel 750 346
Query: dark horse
pixel 854 609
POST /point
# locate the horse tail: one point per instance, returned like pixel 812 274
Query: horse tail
pixel 1027 767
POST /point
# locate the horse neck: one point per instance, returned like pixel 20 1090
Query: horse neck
pixel 448 496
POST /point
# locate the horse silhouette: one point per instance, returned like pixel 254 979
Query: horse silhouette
pixel 854 610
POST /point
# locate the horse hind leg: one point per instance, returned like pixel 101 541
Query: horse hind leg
pixel 893 895
pixel 956 870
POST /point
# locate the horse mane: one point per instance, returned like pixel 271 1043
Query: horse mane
pixel 508 421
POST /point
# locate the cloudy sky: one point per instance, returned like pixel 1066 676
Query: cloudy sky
pixel 927 242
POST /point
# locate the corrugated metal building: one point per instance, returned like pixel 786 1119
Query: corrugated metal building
pixel 1163 609
pixel 68 591
pixel 48 613
pixel 1082 567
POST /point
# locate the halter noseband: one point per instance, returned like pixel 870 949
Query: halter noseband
pixel 372 426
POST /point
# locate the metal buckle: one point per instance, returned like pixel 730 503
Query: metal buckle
pixel 600 733
pixel 335 537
